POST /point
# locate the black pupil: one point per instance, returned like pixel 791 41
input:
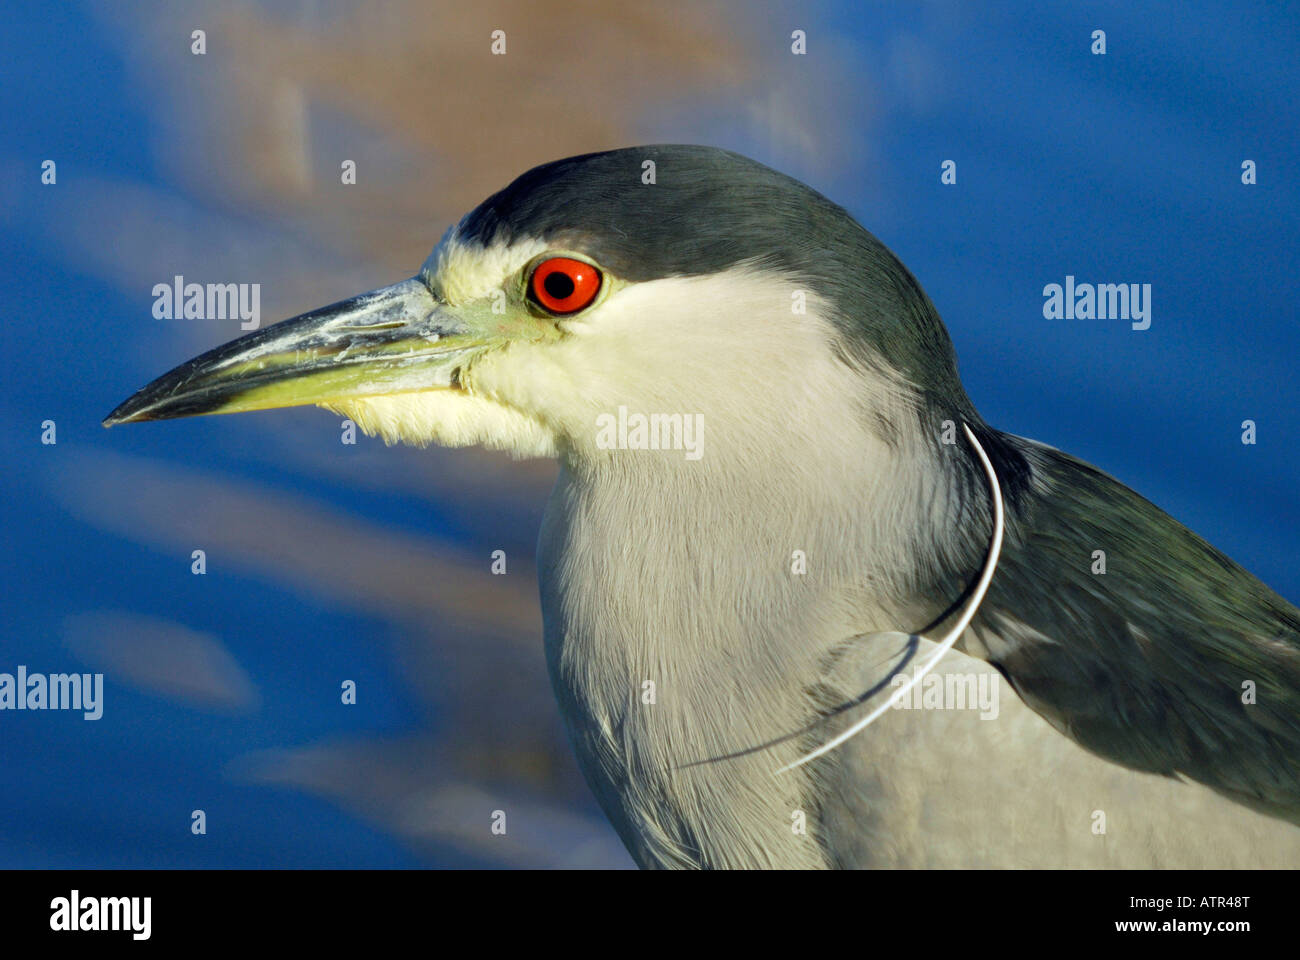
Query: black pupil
pixel 558 285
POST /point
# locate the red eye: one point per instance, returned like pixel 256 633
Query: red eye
pixel 564 285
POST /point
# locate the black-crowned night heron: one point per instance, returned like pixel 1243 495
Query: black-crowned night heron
pixel 776 508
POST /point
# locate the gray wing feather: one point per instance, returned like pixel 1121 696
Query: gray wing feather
pixel 1149 664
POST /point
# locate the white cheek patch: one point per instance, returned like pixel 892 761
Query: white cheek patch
pixel 461 271
pixel 729 347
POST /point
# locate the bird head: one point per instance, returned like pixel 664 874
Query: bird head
pixel 674 280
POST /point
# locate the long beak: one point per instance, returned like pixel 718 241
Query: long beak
pixel 393 340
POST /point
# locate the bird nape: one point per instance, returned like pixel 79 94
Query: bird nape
pixel 772 492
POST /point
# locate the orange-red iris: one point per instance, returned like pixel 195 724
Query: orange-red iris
pixel 564 285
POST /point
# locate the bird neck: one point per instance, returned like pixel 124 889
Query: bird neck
pixel 690 609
